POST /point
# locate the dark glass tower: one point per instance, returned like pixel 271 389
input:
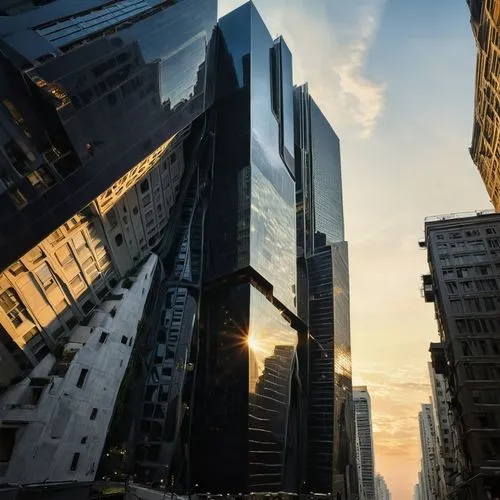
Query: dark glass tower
pixel 323 278
pixel 247 404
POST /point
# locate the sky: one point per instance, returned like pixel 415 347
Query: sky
pixel 395 78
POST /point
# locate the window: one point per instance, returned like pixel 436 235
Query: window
pixel 13 307
pixel 46 278
pixel 84 439
pixel 144 186
pixel 452 287
pixel 135 210
pixel 17 268
pixel 74 462
pixel 77 284
pixel 124 340
pixel 82 377
pixel 93 415
pixel 119 239
pixel 173 157
pixel 491 230
pixel 28 336
pixel 494 243
pixel 112 220
pixel 103 337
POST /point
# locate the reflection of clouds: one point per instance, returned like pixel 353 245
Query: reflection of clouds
pixel 336 73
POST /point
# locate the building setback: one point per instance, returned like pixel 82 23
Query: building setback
pixel 485 148
pixel 464 283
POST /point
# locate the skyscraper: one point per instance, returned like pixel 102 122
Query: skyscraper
pixel 246 422
pixel 362 408
pixel 428 447
pixel 463 253
pixel 102 106
pixel 485 149
pixel 324 270
pixel 381 490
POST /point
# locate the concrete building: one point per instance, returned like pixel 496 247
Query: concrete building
pixel 445 458
pixel 485 148
pixel 381 490
pixel 430 454
pixel 464 283
pixel 359 466
pixel 54 423
pixel 362 408
pixel 47 291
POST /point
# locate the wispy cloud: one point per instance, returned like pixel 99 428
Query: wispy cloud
pixel 330 52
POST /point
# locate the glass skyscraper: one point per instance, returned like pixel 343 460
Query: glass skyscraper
pixel 323 278
pixel 174 284
pixel 246 412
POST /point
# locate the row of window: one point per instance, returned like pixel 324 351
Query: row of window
pixel 482 371
pixel 475 305
pixel 478 326
pixel 469 245
pixel 483 347
pixel 469 233
pixel 469 271
pixel 472 286
pixel 471 258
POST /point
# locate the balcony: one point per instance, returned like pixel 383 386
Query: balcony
pixel 427 289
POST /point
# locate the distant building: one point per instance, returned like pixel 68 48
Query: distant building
pixel 428 446
pixel 485 148
pixel 445 457
pixel 464 283
pixel 381 490
pixel 362 407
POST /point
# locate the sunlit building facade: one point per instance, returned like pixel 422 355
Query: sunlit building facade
pixel 463 253
pixel 381 490
pixel 485 148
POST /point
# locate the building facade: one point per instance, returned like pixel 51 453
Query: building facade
pixel 430 453
pixel 445 456
pixel 485 148
pixel 381 490
pixel 362 408
pixel 324 270
pixel 464 284
pixel 245 427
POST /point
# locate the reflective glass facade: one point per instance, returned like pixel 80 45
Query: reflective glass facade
pixel 78 115
pixel 251 353
pixel 250 176
pixel 331 434
pixel 326 177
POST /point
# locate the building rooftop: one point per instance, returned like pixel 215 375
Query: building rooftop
pixel 461 215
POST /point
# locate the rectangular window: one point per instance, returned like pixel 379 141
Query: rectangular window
pixel 74 462
pixel 82 377
pixel 46 278
pixel 93 415
pixel 124 340
pixel 103 337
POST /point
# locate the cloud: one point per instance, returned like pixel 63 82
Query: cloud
pixel 331 57
pixel 364 97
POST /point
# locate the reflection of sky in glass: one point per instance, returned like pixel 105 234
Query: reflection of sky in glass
pixel 267 331
pixel 273 224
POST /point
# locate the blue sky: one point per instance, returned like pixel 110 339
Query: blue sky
pixel 396 80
